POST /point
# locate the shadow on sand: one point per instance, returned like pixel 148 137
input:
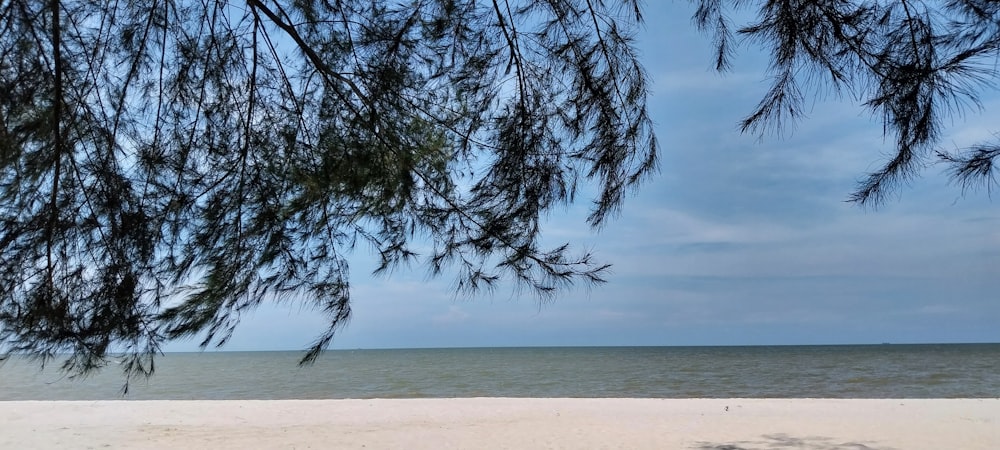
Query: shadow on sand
pixel 783 441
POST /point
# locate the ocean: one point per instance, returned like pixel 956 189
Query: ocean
pixel 837 371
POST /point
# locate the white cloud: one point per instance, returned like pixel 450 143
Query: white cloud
pixel 454 314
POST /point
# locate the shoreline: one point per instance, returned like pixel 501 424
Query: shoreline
pixel 431 423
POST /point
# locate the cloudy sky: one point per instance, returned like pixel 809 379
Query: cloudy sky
pixel 737 241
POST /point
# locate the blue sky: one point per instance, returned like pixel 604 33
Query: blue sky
pixel 737 241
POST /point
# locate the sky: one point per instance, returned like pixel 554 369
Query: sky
pixel 738 240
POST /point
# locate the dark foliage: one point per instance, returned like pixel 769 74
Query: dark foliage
pixel 913 63
pixel 166 166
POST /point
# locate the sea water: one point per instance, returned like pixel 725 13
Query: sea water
pixel 848 371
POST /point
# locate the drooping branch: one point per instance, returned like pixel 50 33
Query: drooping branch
pixel 200 168
pixel 913 63
pixel 57 138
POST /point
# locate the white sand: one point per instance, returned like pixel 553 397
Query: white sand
pixel 494 423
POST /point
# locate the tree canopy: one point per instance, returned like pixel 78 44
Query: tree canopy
pixel 169 165
pixel 914 64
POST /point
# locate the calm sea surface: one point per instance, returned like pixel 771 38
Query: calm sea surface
pixel 863 371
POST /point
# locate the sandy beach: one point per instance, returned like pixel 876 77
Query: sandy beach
pixel 514 423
